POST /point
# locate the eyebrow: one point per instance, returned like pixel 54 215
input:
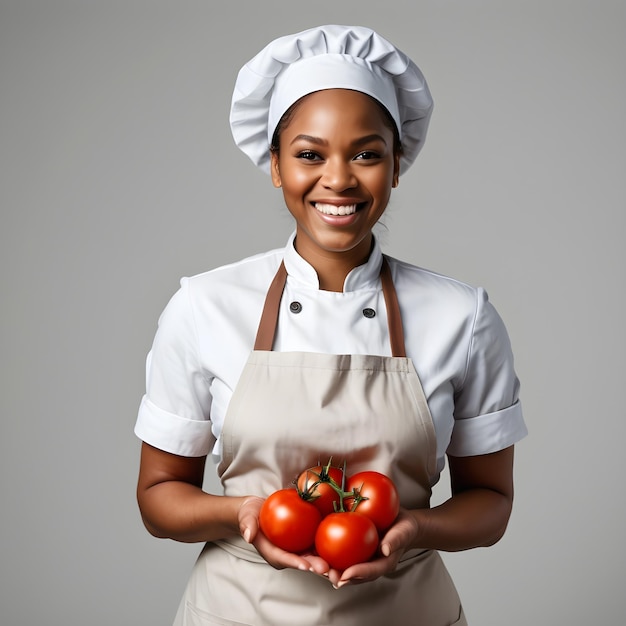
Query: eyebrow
pixel 323 142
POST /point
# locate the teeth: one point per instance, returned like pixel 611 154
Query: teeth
pixel 331 209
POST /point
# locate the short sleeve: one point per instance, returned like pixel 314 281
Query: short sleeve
pixel 488 414
pixel 174 412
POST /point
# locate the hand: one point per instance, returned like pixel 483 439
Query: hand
pixel 396 541
pixel 248 519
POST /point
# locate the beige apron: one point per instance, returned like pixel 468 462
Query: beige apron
pixel 289 411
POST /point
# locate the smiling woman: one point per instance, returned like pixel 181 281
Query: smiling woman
pixel 357 357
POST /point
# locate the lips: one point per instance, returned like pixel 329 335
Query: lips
pixel 332 209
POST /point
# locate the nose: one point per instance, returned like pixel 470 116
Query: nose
pixel 338 175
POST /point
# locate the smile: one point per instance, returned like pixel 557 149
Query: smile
pixel 331 209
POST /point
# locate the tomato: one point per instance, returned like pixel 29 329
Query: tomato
pixel 344 539
pixel 383 502
pixel 316 486
pixel 288 521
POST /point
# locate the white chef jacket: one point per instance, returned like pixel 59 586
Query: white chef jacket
pixel 454 336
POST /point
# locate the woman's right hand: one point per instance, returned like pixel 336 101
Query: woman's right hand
pixel 248 518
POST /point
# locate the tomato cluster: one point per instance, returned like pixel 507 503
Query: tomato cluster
pixel 340 517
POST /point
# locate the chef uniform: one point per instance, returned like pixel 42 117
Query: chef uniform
pixel 293 406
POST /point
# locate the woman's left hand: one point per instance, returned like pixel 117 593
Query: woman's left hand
pixel 396 541
pixel 476 515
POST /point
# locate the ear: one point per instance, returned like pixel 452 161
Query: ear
pixel 274 171
pixel 396 170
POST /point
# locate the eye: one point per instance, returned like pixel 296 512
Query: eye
pixel 367 155
pixel 308 155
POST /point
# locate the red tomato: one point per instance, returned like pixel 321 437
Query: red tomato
pixel 288 521
pixel 344 539
pixel 316 486
pixel 383 502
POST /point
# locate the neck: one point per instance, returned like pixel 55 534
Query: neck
pixel 332 266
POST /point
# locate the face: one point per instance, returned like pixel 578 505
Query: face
pixel 336 166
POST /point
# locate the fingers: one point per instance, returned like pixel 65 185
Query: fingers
pixel 317 564
pixel 280 559
pixel 392 547
pixel 366 572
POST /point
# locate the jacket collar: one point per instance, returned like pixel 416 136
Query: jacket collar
pixel 303 273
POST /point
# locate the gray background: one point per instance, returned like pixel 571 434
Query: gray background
pixel 118 176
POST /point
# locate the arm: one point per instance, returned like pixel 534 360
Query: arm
pixel 173 505
pixel 482 484
pixel 478 512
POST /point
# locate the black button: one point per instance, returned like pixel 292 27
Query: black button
pixel 295 307
pixel 369 313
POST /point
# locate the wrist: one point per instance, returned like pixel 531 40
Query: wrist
pixel 420 524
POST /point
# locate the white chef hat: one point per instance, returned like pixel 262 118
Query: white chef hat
pixel 328 57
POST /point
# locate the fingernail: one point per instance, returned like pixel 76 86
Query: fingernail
pixel 304 568
pixel 246 535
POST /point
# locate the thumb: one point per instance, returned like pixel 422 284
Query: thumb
pixel 248 519
pixel 385 548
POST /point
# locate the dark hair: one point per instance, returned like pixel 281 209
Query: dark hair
pixel 285 120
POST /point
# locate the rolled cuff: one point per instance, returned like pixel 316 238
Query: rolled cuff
pixel 488 433
pixel 172 433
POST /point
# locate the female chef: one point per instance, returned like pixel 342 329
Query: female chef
pixel 328 348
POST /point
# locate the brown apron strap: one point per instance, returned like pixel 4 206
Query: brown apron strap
pixel 269 317
pixel 394 319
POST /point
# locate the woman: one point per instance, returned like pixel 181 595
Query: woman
pixel 328 348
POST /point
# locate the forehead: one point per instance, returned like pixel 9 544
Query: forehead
pixel 340 107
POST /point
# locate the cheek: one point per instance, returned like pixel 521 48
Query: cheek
pixel 381 185
pixel 297 180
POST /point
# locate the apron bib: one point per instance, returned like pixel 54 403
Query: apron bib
pixel 293 410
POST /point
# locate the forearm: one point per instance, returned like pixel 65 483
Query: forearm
pixel 183 512
pixel 470 519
